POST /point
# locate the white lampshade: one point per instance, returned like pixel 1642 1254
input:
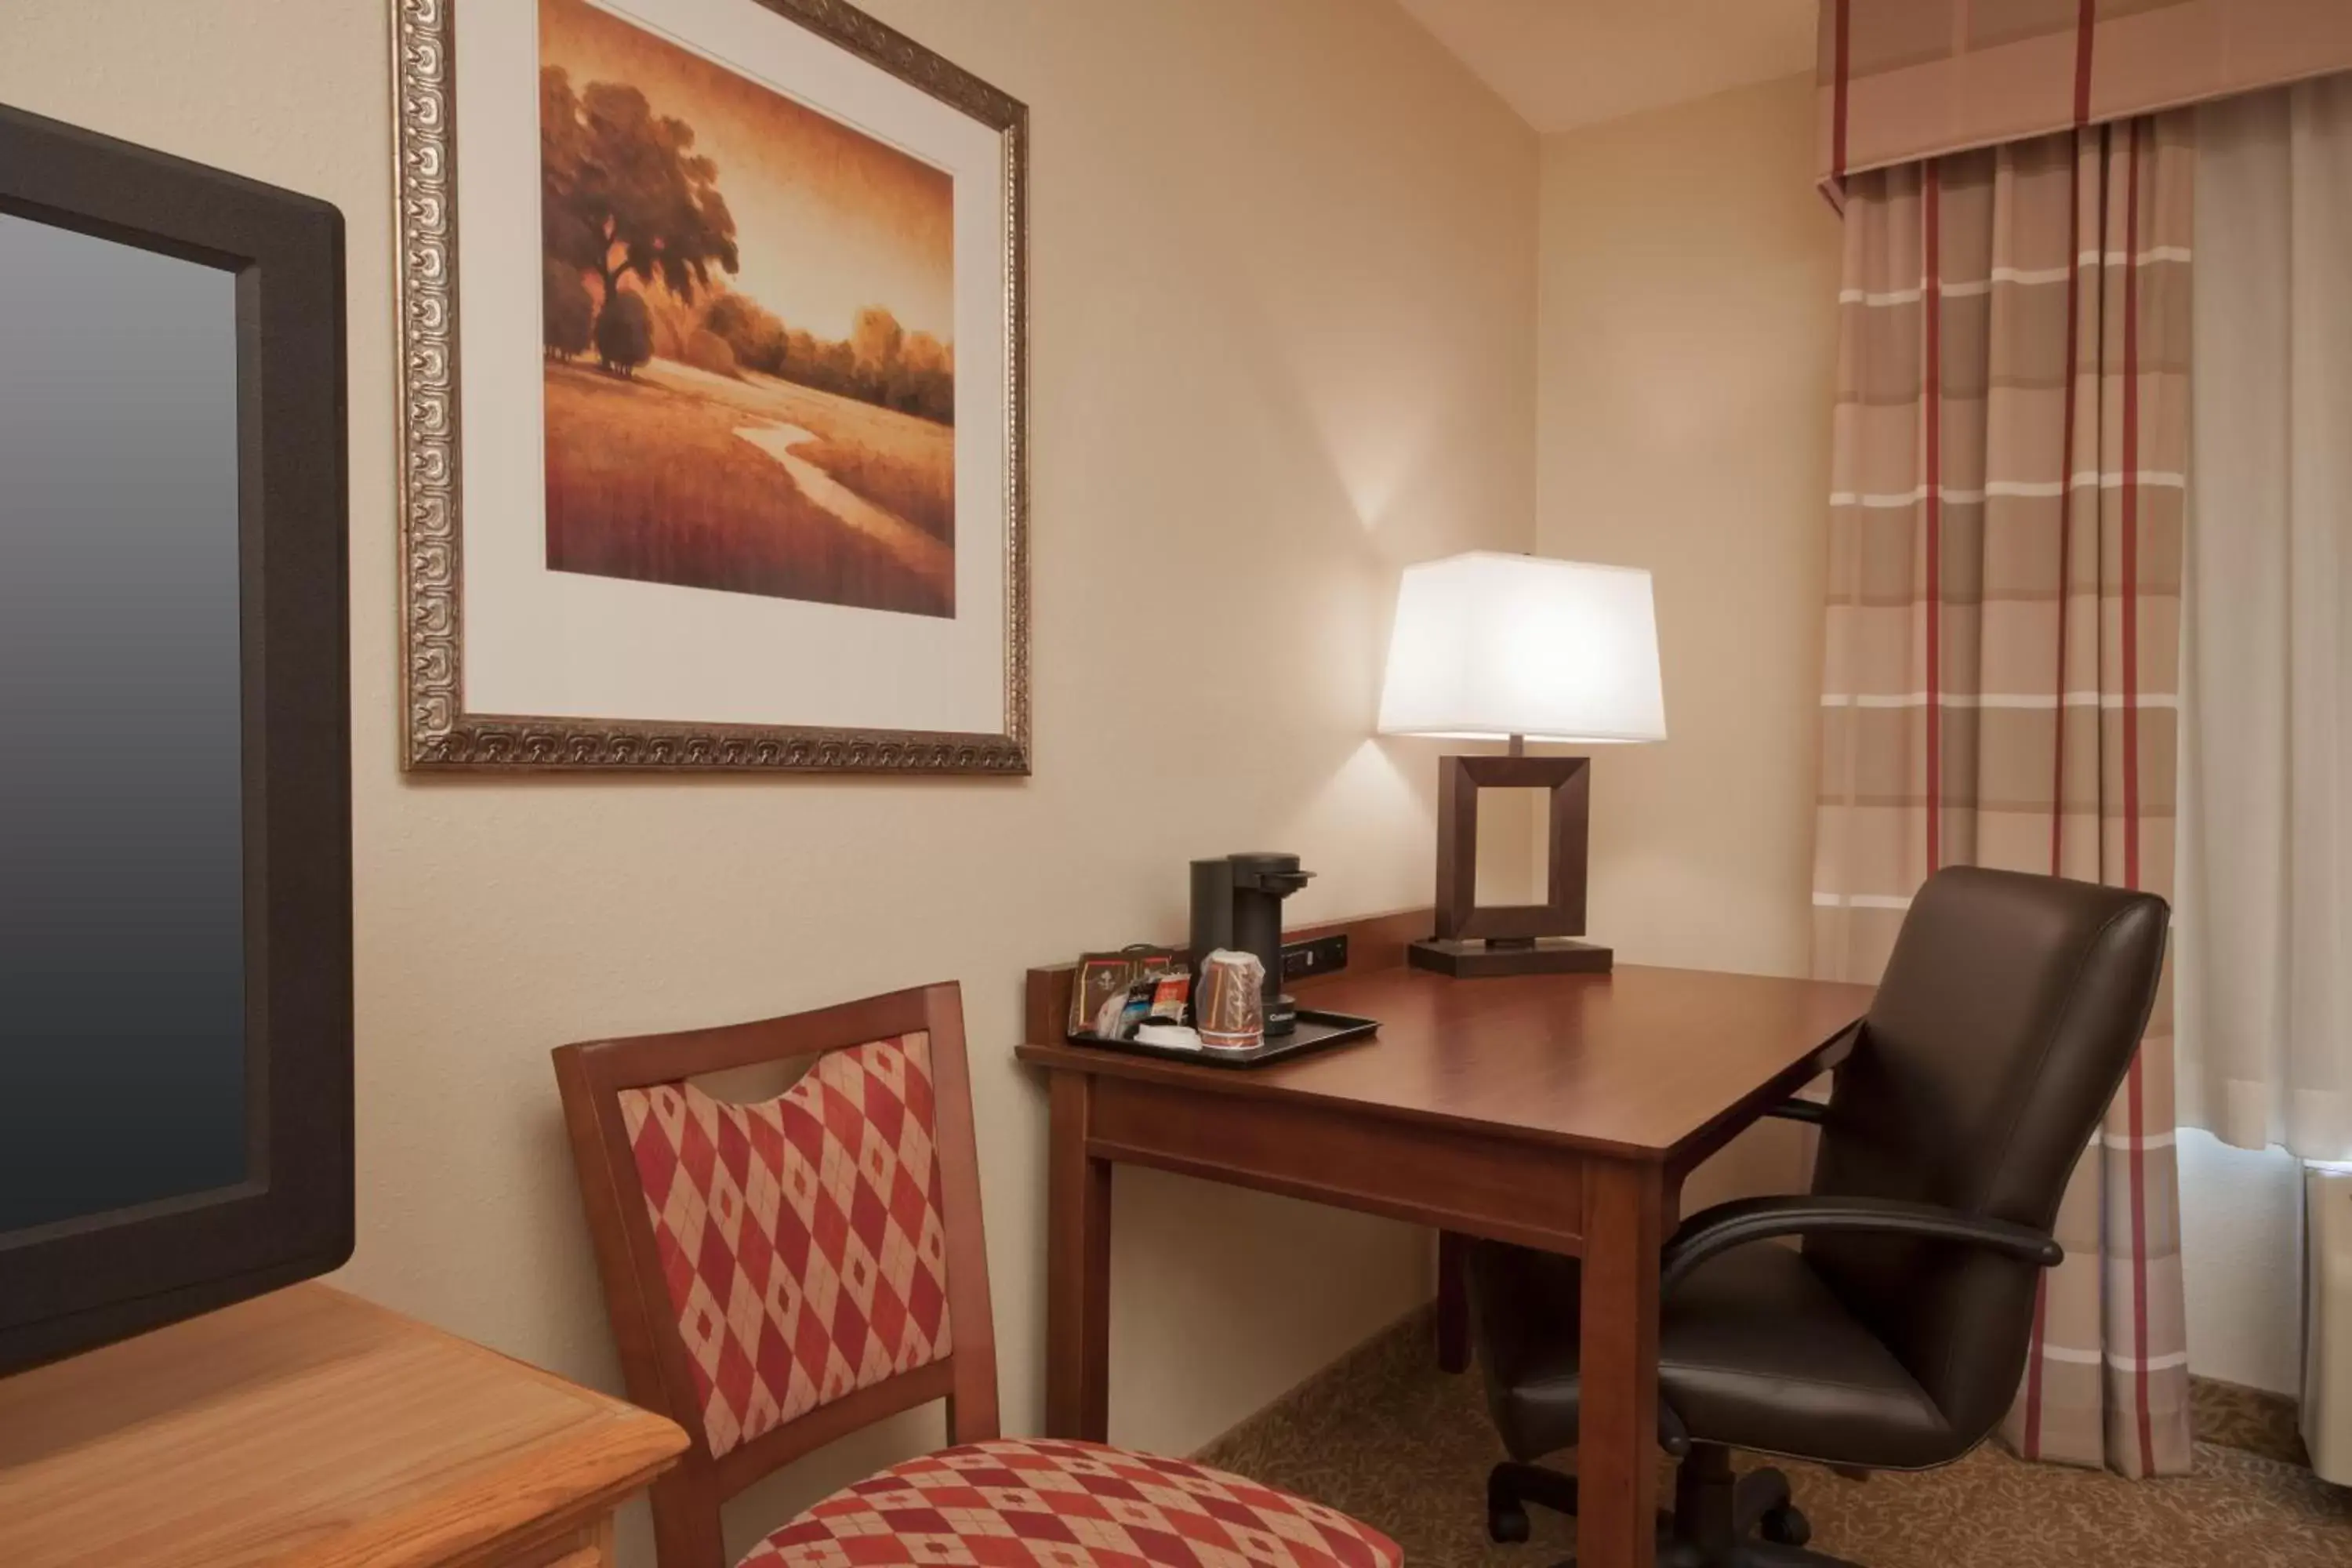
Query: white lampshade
pixel 1488 646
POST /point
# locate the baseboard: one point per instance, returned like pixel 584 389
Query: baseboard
pixel 2226 1414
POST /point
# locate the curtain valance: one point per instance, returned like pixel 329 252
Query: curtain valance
pixel 1905 80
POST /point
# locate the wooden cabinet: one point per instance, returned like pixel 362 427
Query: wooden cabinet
pixel 310 1427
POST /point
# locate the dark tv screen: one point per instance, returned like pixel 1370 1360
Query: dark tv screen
pixel 123 1072
pixel 176 853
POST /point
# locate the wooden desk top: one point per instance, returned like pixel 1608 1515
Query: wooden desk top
pixel 306 1427
pixel 1645 1063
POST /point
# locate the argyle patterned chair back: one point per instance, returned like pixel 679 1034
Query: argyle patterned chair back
pixel 778 1274
pixel 802 1239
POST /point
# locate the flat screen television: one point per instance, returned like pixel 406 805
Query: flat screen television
pixel 175 932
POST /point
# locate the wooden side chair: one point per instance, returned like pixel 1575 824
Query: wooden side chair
pixel 780 1274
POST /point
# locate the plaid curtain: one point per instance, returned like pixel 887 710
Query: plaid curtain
pixel 2004 649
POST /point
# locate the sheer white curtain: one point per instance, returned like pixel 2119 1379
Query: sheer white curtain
pixel 2265 932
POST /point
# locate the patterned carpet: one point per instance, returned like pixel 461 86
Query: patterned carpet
pixel 1387 1437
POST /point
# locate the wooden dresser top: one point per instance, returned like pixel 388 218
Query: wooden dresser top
pixel 306 1427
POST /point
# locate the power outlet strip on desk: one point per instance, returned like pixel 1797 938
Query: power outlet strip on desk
pixel 1323 955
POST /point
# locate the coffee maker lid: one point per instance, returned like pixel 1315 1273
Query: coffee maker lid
pixel 1261 861
pixel 1269 873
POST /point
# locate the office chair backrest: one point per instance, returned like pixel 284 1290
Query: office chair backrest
pixel 2007 1019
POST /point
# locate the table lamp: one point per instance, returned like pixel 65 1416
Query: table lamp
pixel 1490 646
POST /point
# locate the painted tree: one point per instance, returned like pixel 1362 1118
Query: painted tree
pixel 567 314
pixel 875 337
pixel 926 380
pixel 622 193
pixel 625 333
pixel 750 330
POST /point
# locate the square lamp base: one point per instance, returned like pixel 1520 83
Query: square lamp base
pixel 1470 959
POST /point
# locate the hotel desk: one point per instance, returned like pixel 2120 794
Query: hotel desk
pixel 1559 1112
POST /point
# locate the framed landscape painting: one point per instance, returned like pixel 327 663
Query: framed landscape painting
pixel 712 319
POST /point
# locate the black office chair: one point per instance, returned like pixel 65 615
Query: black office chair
pixel 1897 1338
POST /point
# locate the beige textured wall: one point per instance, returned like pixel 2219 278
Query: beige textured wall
pixel 1686 352
pixel 1283 271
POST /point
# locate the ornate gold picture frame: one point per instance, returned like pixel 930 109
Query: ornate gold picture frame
pixel 745 396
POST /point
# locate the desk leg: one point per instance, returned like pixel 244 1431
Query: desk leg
pixel 1077 1271
pixel 1617 1447
pixel 1453 1301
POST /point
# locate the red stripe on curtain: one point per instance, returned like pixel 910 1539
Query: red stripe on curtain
pixel 1840 59
pixel 2066 488
pixel 2130 552
pixel 1931 306
pixel 2067 496
pixel 2086 32
pixel 2130 543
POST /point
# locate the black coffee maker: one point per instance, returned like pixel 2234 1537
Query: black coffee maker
pixel 1237 903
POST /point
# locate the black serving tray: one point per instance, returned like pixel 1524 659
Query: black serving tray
pixel 1316 1030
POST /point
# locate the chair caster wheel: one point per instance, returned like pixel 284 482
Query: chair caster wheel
pixel 1785 1527
pixel 1506 1523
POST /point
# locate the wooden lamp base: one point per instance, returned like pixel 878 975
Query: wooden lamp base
pixel 1470 959
pixel 1474 940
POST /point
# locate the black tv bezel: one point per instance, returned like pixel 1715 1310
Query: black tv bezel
pixel 71 1285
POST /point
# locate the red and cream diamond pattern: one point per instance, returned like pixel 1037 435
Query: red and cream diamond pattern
pixel 801 1237
pixel 1015 1504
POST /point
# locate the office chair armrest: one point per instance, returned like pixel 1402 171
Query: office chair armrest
pixel 1744 1220
pixel 1815 1111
